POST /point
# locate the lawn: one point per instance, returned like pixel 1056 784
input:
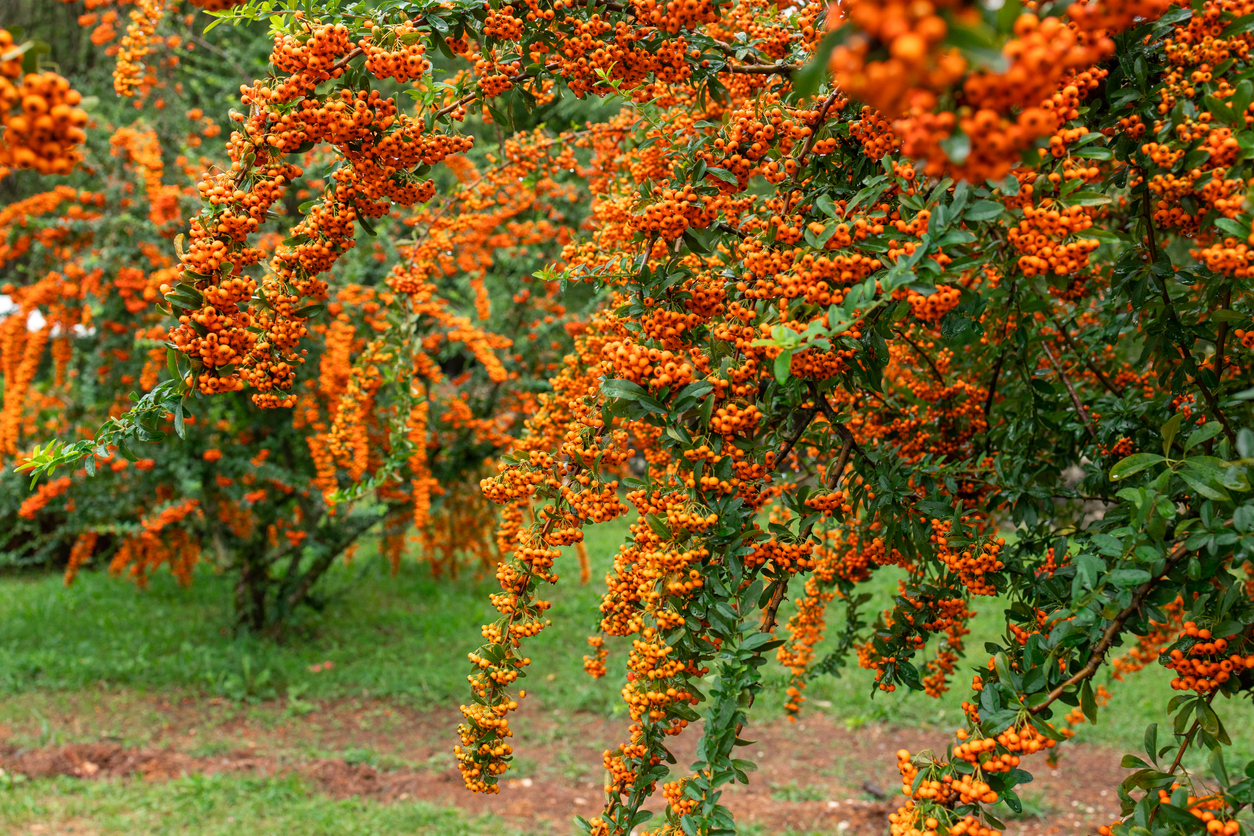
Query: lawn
pixel 101 651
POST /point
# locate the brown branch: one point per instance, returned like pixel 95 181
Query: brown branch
pixel 1185 351
pixel 762 69
pixel 349 56
pixel 807 147
pixel 1098 652
pixel 770 615
pixel 814 131
pixel 919 350
pixel 1221 336
pixel 992 383
pixel 1184 745
pixel 1001 359
pixel 1084 357
pixel 841 463
pixel 807 417
pixel 837 425
pixel 1075 398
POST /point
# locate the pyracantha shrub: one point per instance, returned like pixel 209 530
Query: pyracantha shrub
pixel 957 287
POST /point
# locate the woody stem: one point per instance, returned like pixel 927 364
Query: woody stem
pixel 1075 398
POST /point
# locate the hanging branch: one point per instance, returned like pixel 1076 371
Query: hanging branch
pixel 1075 398
pixel 1098 653
pixel 1085 357
pixel 1185 352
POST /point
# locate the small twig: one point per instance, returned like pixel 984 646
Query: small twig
pixel 1221 336
pixel 762 69
pixel 1075 398
pixel 1001 358
pixel 1184 745
pixel 807 417
pixel 806 148
pixel 343 62
pixel 992 384
pixel 837 425
pixel 841 463
pixel 919 350
pixel 1185 352
pixel 1085 357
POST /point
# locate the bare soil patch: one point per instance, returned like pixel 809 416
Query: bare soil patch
pixel 813 775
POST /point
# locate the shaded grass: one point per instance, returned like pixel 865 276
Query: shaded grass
pixel 403 637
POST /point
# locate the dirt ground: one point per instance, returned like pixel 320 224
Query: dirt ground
pixel 813 775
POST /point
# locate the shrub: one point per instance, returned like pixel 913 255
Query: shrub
pixel 951 287
pixel 274 497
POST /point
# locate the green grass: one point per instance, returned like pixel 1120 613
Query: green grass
pixel 792 791
pixel 222 804
pixel 405 639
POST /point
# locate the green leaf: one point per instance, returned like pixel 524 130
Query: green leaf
pixel 1221 110
pixel 695 243
pixel 1217 766
pixel 1151 741
pixel 783 365
pixel 1199 484
pixel 1128 577
pixel 1202 434
pixel 1133 464
pixel 1169 430
pixel 623 390
pixel 1087 199
pixel 1088 704
pixel 983 210
pixel 1239 26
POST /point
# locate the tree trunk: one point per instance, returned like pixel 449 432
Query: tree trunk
pixel 250 592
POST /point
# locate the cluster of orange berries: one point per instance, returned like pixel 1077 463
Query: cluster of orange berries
pixel 1207 664
pixel 652 367
pixel 973 566
pixel 134 46
pixel 153 546
pixel 652 684
pixel 676 210
pixel 47 492
pixel 483 755
pixel 42 125
pixel 1039 238
pixel 913 34
pixel 380 149
pixel 1024 740
pixel 931 798
pixel 933 307
pixel 751 133
pixel 1211 810
pixel 404 60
